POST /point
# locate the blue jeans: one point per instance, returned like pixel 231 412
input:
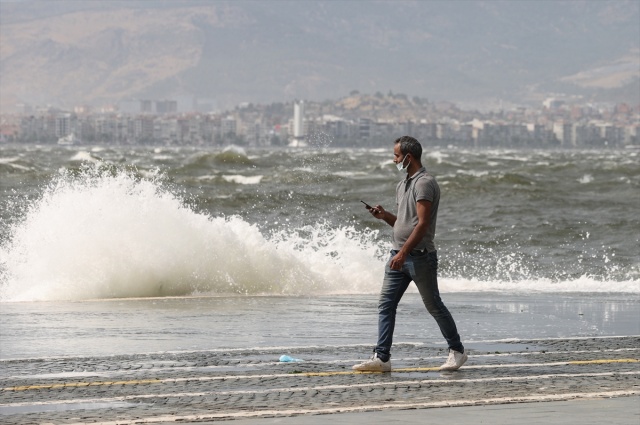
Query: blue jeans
pixel 421 268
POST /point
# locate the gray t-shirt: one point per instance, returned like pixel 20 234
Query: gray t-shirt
pixel 421 186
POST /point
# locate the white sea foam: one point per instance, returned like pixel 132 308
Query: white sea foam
pixel 238 179
pixel 235 149
pixel 587 178
pixel 84 156
pixel 386 163
pixel 584 284
pixel 102 236
pixel 438 156
pixel 474 173
pixel 349 174
pixel 207 177
pixel 10 162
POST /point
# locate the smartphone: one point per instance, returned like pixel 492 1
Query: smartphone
pixel 369 207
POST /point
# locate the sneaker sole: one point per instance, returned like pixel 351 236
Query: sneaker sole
pixel 452 368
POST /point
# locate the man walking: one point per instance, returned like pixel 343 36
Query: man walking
pixel 413 257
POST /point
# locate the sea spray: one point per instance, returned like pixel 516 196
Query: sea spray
pixel 300 229
pixel 100 234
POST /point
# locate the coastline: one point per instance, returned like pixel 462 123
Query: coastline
pixel 545 358
pixel 251 386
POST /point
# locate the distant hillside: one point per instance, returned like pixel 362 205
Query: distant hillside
pixel 69 52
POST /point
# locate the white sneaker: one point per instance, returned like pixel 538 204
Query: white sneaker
pixel 455 360
pixel 374 365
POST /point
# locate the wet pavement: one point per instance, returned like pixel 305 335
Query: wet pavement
pixel 252 386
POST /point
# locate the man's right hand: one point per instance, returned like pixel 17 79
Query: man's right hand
pixel 378 212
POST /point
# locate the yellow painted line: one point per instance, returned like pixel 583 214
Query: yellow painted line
pixel 348 386
pixel 306 374
pixel 418 369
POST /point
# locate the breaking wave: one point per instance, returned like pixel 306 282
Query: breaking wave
pixel 95 234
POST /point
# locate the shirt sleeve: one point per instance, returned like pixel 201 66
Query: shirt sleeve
pixel 424 189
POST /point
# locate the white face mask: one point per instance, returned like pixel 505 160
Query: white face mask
pixel 400 165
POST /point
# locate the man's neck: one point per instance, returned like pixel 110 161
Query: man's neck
pixel 412 169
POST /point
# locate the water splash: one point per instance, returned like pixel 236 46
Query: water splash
pixel 98 231
pixel 102 235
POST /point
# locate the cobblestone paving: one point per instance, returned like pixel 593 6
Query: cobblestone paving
pixel 210 385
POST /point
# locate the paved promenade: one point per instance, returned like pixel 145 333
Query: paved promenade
pixel 251 387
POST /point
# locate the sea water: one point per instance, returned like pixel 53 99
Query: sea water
pixel 129 249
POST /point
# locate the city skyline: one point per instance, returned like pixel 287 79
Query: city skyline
pixel 354 120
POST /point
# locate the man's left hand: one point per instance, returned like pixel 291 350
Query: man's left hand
pixel 398 261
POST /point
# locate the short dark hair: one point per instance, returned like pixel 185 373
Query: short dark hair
pixel 410 145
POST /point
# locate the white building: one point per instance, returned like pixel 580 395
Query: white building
pixel 229 126
pixel 298 120
pixel 299 131
pixel 63 125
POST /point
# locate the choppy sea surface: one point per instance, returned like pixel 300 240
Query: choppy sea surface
pixel 132 225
